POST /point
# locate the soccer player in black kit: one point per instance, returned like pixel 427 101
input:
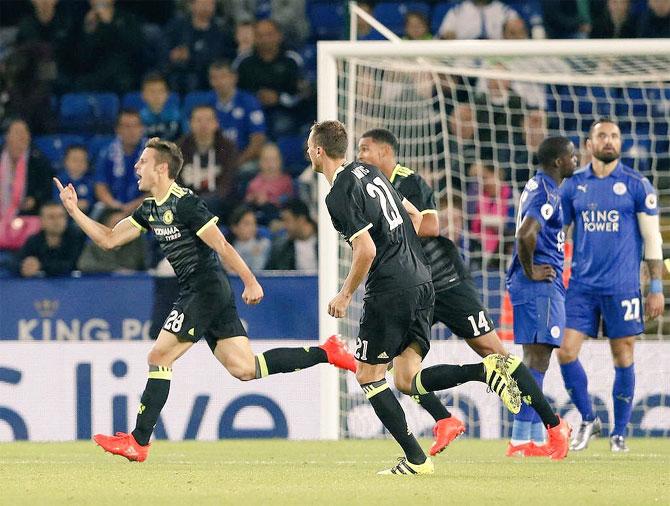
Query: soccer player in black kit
pixel 457 303
pixel 380 226
pixel 188 235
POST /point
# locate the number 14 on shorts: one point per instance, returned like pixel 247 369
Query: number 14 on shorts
pixel 479 326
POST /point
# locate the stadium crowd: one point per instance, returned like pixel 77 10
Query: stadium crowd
pixel 83 84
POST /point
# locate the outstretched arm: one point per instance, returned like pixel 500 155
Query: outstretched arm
pixel 212 237
pixel 105 237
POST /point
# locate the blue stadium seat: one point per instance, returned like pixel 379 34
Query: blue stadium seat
pixel 133 100
pixel 439 11
pixel 197 98
pixel 96 144
pixel 327 20
pixel 636 152
pixel 87 113
pixel 264 232
pixel 54 146
pixel 292 148
pixel 392 14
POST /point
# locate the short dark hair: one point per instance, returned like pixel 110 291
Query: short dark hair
pixel 382 135
pixel 331 136
pixel 167 152
pixel 154 77
pixel 72 147
pixel 221 65
pixel 203 106
pixel 552 148
pixel 600 121
pixel 238 213
pixel 130 112
pixel 420 15
pixel 297 208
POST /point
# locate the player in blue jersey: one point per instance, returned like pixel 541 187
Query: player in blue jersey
pixel 614 213
pixel 535 281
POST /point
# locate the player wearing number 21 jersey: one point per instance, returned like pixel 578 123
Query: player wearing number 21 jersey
pixel 614 216
pixel 381 228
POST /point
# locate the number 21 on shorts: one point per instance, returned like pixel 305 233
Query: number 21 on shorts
pixel 174 321
pixel 364 345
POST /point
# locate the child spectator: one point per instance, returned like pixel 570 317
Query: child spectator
pixel 160 119
pixel 416 26
pixel 253 249
pixel 76 173
pixel 271 188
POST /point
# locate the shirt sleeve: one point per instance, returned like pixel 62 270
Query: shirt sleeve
pixel 193 212
pixel 256 116
pixel 538 206
pixel 139 220
pixel 566 203
pixel 645 197
pixel 346 206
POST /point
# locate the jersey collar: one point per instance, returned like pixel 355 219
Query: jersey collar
pixel 167 195
pixel 338 170
pixel 547 178
pixel 618 170
pixel 395 172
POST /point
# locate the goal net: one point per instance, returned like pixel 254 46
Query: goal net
pixel 470 116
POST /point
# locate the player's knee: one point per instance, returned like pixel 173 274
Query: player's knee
pixel 365 375
pixel 566 355
pixel 403 383
pixel 158 357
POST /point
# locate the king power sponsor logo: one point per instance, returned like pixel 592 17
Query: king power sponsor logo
pixel 601 221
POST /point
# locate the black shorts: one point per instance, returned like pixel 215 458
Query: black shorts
pixel 460 309
pixel 205 309
pixel 391 321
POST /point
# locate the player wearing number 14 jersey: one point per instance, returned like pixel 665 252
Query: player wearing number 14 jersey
pixel 380 226
pixel 190 240
pixel 614 213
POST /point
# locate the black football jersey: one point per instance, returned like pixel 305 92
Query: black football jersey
pixel 361 199
pixel 440 251
pixel 177 221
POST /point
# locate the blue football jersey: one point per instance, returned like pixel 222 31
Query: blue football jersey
pixel 541 200
pixel 606 234
pixel 240 118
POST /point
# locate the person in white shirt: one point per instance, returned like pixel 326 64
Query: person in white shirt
pixel 476 19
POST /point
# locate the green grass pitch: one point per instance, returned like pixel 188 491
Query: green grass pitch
pixel 275 472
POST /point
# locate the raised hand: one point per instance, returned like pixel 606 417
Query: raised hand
pixel 68 196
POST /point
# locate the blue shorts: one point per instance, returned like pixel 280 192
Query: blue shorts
pixel 539 314
pixel 621 313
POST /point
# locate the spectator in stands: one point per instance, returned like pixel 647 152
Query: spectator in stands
pixel 54 250
pixel 476 19
pixel 194 42
pixel 210 162
pixel 416 26
pixel 76 172
pixel 160 118
pixel 244 38
pixel 108 49
pixel 612 19
pixel 363 30
pixel 25 174
pixel 297 250
pixel 271 188
pixel 567 19
pixel 115 180
pixel 515 29
pixel 274 75
pixel 240 116
pixel 288 14
pixel 125 259
pixel 42 59
pixel 655 21
pixel 254 249
pixel 491 211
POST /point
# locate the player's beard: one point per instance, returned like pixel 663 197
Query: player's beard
pixel 606 157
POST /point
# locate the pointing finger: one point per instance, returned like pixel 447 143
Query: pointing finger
pixel 58 184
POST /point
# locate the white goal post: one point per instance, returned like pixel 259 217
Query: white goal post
pixel 401 86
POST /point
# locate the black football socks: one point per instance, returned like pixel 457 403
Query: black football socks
pixel 153 399
pixel 288 360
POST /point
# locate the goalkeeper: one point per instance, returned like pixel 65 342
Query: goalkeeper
pixel 457 304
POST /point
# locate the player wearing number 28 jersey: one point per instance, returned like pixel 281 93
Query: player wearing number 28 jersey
pixel 187 234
